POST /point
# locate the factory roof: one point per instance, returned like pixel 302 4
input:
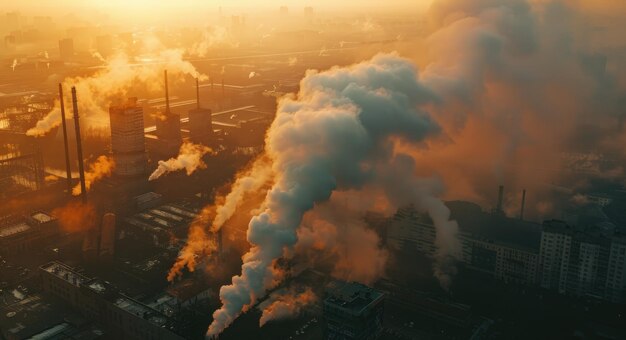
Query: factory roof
pixel 352 296
pixel 41 217
pixel 65 272
pixel 138 309
pixel 14 229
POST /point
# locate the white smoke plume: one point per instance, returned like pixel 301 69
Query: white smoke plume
pixel 102 167
pixel 253 74
pixel 14 65
pixel 119 75
pixel 337 134
pixel 292 61
pixel 189 159
pixel 285 305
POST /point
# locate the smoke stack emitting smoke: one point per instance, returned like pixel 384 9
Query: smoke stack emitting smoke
pixel 117 77
pixel 102 167
pixel 339 134
pixel 189 158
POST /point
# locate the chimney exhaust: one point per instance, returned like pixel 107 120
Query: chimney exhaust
pixel 79 147
pixel 65 144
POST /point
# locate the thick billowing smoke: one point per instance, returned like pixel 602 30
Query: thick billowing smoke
pixel 522 81
pixel 189 158
pixel 102 167
pixel 285 305
pixel 119 75
pixel 338 134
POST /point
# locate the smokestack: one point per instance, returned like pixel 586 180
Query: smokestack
pixel 521 214
pixel 167 94
pixel 79 147
pixel 197 93
pixel 500 194
pixel 65 144
pixel 220 244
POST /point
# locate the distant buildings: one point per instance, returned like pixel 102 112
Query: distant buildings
pixel 127 139
pixel 353 311
pixel 66 49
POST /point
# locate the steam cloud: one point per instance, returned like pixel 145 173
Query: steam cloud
pixel 117 77
pixel 102 167
pixel 338 134
pixel 189 158
pixel 285 305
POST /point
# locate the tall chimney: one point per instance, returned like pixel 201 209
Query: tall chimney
pixel 197 94
pixel 65 144
pixel 79 148
pixel 167 95
pixel 521 214
pixel 500 197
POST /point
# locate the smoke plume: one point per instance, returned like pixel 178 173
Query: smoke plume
pixel 199 244
pixel 76 216
pixel 102 167
pixel 118 76
pixel 522 81
pixel 337 134
pixel 189 158
pixel 285 305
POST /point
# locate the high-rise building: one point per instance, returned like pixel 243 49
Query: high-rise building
pixel 127 139
pixel 200 122
pixel 584 260
pixel 353 311
pixel 168 127
pixel 507 248
pixel 66 49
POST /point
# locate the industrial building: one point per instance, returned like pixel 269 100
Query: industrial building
pixel 353 311
pixel 19 235
pixel 168 127
pixel 127 140
pixel 200 122
pixel 123 316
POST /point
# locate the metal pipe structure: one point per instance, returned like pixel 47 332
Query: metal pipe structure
pixel 521 214
pixel 197 93
pixel 167 94
pixel 65 143
pixel 79 147
pixel 500 197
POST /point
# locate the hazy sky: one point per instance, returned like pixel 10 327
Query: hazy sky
pixel 143 4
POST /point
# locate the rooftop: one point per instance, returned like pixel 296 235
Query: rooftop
pixel 13 229
pixel 65 272
pixel 352 296
pixel 41 217
pixel 141 310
